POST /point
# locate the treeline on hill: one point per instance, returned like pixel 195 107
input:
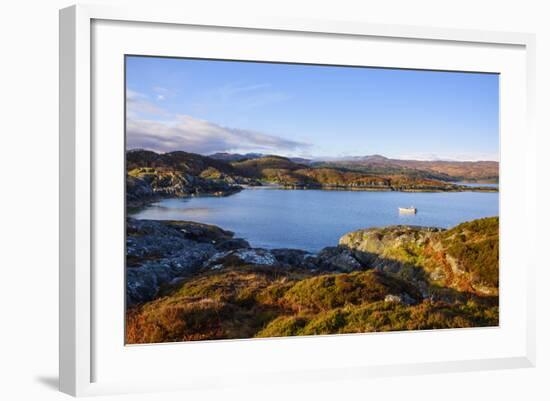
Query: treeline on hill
pixel 151 175
pixel 379 279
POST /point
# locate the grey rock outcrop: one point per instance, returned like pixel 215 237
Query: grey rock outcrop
pixel 337 259
pixel 250 256
pixel 160 252
pixel 294 258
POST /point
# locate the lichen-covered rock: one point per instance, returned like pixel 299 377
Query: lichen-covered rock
pixel 464 258
pixel 144 282
pixel 159 252
pixel 403 298
pixel 247 256
pixel 337 259
pixel 381 240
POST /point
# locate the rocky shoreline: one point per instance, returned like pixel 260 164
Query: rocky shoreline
pixel 193 281
pixel 142 190
pixel 140 194
pixel 163 253
pixel 450 188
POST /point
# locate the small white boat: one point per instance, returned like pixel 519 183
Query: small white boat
pixel 407 210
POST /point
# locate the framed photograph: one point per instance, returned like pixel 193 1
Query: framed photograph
pixel 274 200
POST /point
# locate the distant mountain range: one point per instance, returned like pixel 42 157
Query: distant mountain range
pixel 471 171
pixel 235 157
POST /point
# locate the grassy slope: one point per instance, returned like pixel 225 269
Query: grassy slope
pixel 176 169
pixel 183 162
pixel 480 171
pixel 258 301
pixel 283 171
pixel 475 248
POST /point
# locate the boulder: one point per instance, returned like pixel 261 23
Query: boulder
pixel 144 281
pixel 378 240
pixel 404 299
pixel 232 244
pixel 247 256
pixel 388 248
pixel 157 253
pixel 337 259
pixel 293 258
pixel 138 191
pixel 201 232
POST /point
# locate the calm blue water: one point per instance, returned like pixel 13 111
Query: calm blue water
pixel 313 219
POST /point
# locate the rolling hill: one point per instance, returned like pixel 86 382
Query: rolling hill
pixel 151 175
pixel 473 171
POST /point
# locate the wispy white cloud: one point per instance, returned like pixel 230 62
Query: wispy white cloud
pixel 234 88
pixel 200 136
pixel 149 126
pixel 138 104
pixel 162 90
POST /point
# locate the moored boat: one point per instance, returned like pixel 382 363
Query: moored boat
pixel 407 210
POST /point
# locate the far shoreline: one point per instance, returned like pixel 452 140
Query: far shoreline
pixel 275 186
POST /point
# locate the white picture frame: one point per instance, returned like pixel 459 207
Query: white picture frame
pixel 79 158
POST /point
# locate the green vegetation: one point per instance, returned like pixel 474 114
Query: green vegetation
pixel 178 174
pixel 384 316
pixel 232 303
pixel 182 162
pixel 335 290
pixel 464 258
pixel 395 278
pixel 480 171
pixel 475 246
pixel 243 301
pixel 288 173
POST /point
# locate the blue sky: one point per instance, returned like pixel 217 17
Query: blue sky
pixel 207 106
